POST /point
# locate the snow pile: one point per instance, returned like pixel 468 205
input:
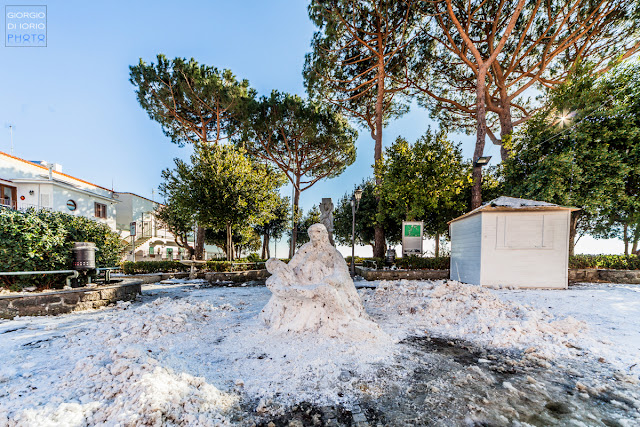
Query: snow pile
pixel 131 389
pixel 473 313
pixel 122 383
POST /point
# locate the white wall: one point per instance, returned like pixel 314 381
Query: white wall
pixel 85 205
pixel 525 249
pixel 466 249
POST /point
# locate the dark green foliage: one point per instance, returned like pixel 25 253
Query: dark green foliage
pixel 146 267
pixel 307 141
pixel 240 265
pixel 425 181
pixel 583 150
pixel 42 240
pixel 614 262
pixel 274 228
pixel 254 257
pixel 406 263
pixel 418 263
pixel 365 218
pixel 218 266
pixel 224 188
pixel 194 103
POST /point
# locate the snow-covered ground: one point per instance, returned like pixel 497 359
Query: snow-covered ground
pixel 451 354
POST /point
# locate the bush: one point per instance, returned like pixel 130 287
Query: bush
pixel 42 240
pixel 146 267
pixel 255 258
pixel 614 262
pixel 226 266
pixel 418 263
pixel 218 266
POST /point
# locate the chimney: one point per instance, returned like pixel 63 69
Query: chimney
pixel 50 166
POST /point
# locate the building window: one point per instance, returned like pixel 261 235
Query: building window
pixel 7 196
pixel 71 205
pixel 170 253
pixel 150 250
pixel 100 210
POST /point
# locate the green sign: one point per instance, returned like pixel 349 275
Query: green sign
pixel 412 231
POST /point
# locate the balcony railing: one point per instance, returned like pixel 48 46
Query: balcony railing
pixel 12 204
pixel 9 204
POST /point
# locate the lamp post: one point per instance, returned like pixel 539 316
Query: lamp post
pixel 355 204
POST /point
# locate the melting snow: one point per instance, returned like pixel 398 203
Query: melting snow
pixel 189 356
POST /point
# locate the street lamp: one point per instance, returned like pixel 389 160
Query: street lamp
pixel 355 204
pixel 482 161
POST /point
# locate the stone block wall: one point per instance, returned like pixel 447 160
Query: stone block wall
pixel 606 276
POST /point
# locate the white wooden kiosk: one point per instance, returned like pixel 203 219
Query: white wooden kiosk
pixel 512 242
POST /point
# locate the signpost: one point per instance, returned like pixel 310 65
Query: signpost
pixel 132 231
pixel 412 238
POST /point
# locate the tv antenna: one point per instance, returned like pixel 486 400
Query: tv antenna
pixel 11 132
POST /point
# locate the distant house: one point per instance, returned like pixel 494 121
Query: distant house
pixel 152 241
pixel 41 185
pixel 512 242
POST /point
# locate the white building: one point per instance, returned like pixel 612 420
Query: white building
pixel 512 242
pixel 152 242
pixel 41 185
pixel 37 184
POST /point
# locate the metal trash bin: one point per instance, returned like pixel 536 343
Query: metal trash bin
pixel 84 256
pixel 390 259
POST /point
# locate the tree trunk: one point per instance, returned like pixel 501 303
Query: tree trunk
pixel 636 238
pixel 573 231
pixel 506 126
pixel 379 238
pixel 437 245
pixel 199 242
pixel 481 134
pixel 294 230
pixel 265 246
pixel 625 238
pixel 229 243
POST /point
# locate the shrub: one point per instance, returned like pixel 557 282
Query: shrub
pixel 255 258
pixel 418 263
pixel 218 266
pixel 146 267
pixel 42 240
pixel 614 262
pixel 226 266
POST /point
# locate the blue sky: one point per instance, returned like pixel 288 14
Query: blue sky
pixel 71 102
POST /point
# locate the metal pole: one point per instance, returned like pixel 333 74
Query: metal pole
pixel 353 237
pixel 11 132
pixel 133 248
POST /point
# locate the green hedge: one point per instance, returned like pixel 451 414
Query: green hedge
pixel 613 262
pixel 145 267
pixel 218 266
pixel 419 263
pixel 225 266
pixel 42 240
pixel 407 263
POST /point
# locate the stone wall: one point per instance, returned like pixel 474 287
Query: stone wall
pixel 67 301
pixel 371 274
pixel 602 275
